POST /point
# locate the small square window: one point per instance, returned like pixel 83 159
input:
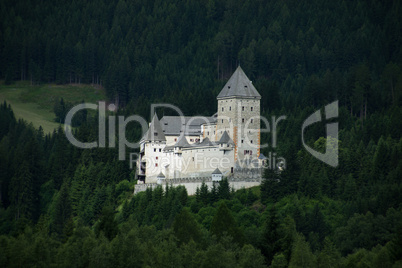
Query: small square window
pixel 242 141
pixel 175 139
pixel 191 139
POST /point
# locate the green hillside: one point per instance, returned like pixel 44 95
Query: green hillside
pixel 35 103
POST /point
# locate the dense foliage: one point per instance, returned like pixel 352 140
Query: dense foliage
pixel 156 48
pixel 63 206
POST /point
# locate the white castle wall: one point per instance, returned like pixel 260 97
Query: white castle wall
pixel 191 184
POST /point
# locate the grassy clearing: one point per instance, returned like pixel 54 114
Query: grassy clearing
pixel 35 103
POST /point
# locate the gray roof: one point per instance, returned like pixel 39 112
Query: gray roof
pixel 173 125
pixel 225 139
pixel 161 175
pixel 205 143
pixel 182 142
pixel 239 86
pixel 155 132
pixel 262 157
pixel 217 171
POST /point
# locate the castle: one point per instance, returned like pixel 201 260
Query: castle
pixel 226 144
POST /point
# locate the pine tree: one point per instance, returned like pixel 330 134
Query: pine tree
pixel 223 223
pixel 107 224
pixel 224 189
pixel 21 192
pixel 270 240
pixel 301 254
pixel 62 210
pixel 186 228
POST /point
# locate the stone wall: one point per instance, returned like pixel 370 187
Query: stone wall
pixel 246 135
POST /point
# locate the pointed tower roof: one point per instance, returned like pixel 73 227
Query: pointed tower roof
pixel 182 142
pixel 225 139
pixel 239 86
pixel 155 132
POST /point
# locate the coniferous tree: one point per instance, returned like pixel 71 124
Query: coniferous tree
pixel 223 224
pixel 186 228
pixel 270 240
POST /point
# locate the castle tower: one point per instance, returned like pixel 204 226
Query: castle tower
pixel 238 115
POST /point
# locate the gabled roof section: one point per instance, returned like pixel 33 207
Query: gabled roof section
pixel 239 86
pixel 225 139
pixel 155 132
pixel 173 125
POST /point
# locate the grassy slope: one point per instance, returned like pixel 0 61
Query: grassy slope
pixel 35 103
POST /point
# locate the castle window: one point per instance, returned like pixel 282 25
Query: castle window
pixel 242 120
pixel 230 108
pixel 242 141
pixel 208 133
pixel 175 139
pixel 242 108
pixel 251 108
pixel 156 164
pixel 251 141
pixel 156 158
pixel 251 120
pixel 160 150
pixel 154 150
pixel 222 120
pixel 222 109
pixel 191 139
